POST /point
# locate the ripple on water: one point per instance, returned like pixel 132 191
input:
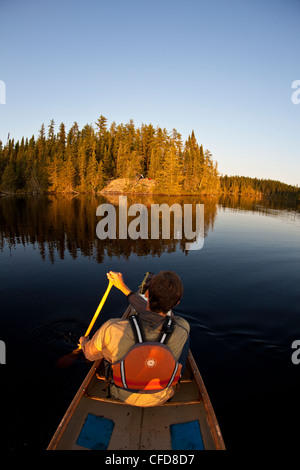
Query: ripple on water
pixel 60 334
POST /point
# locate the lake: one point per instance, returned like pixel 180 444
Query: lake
pixel 241 298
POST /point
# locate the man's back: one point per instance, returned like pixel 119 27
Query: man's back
pixel 116 336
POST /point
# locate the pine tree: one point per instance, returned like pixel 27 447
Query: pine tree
pixel 210 182
pixel 66 172
pixel 146 142
pixel 171 176
pixel 39 174
pixel 134 165
pixel 160 145
pixel 101 124
pixel 193 164
pixel 9 179
pixel 102 137
pixel 51 131
pixel 61 136
pixel 92 177
pixel 81 168
pixel 54 174
pixel 122 160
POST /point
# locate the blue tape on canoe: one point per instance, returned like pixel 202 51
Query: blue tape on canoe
pixel 186 436
pixel 95 433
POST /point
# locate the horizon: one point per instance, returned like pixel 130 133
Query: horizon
pixel 229 71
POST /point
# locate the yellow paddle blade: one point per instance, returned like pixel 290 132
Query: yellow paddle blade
pixel 67 361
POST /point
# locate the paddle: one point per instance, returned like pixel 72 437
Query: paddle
pixel 68 360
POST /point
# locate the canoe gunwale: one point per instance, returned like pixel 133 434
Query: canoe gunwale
pixel 210 414
pixel 73 405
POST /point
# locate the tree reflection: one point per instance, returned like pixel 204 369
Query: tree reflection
pixel 64 224
pixel 68 224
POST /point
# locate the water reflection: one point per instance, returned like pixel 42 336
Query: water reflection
pixel 241 299
pixel 276 206
pixel 60 225
pixel 67 224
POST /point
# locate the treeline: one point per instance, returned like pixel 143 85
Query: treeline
pixel 85 160
pixel 242 185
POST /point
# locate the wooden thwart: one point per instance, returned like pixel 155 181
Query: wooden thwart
pixel 168 403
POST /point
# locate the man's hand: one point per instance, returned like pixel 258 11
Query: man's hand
pixel 118 282
pixel 82 341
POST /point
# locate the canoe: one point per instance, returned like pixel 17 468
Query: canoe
pixel 95 422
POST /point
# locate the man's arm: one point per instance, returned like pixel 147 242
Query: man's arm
pixel 118 282
pixel 136 300
pixel 92 348
pixel 89 349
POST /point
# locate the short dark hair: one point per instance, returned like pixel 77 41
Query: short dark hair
pixel 165 291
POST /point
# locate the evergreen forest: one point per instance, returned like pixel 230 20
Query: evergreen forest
pixel 85 160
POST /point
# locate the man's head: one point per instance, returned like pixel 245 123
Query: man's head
pixel 165 291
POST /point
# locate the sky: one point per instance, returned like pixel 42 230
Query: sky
pixel 223 68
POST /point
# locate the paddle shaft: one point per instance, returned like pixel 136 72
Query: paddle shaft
pixel 99 308
pixel 67 360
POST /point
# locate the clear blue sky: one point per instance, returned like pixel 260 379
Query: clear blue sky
pixel 223 68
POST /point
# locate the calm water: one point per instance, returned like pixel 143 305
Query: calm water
pixel 241 297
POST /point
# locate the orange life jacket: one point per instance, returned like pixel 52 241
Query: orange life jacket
pixel 148 366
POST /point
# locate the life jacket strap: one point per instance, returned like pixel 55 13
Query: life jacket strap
pixel 167 330
pixel 173 375
pixel 138 331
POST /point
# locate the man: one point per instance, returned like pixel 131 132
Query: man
pixel 116 336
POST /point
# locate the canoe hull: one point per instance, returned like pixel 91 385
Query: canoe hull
pixel 136 428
